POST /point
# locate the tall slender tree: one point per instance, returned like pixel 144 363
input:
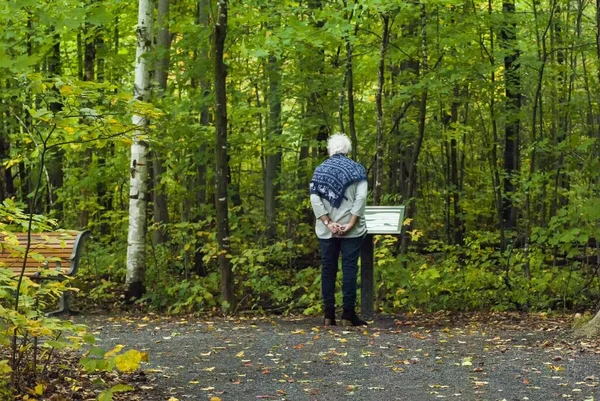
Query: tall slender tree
pixel 273 151
pixel 138 170
pixel 378 187
pixel 159 195
pixel 411 179
pixel 512 90
pixel 221 152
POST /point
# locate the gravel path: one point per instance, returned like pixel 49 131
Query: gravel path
pixel 392 359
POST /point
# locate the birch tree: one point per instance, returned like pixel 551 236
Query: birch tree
pixel 138 186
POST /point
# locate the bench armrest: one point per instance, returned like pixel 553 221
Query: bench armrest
pixel 77 250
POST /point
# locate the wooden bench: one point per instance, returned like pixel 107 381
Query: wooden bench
pixel 57 251
pixel 380 220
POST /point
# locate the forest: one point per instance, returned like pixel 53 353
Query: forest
pixel 183 134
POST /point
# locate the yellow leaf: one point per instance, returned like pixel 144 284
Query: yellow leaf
pixel 173 399
pixel 129 361
pixel 240 354
pixel 215 399
pixel 66 90
pixel 12 162
pixel 415 234
pixel 114 351
pixel 39 389
pixel 5 367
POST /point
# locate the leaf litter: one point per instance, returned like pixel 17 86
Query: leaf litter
pixel 285 357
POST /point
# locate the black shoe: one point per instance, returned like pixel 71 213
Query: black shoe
pixel 329 318
pixel 349 318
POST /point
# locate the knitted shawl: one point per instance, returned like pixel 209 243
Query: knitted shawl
pixel 333 176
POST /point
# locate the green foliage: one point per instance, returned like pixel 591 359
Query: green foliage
pixel 33 336
pixel 544 262
pixel 98 359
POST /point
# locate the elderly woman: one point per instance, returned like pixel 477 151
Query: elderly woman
pixel 338 193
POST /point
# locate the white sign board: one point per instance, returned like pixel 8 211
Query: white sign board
pixel 384 219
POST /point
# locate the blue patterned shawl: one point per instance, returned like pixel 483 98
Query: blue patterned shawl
pixel 333 176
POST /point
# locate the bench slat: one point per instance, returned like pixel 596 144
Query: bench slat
pixel 35 255
pixel 33 270
pixel 32 262
pixel 62 247
pixel 55 247
pixel 40 245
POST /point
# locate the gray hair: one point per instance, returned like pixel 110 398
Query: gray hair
pixel 338 143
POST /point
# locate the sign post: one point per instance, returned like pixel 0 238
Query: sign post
pixel 380 220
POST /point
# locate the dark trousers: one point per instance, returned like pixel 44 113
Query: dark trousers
pixel 330 253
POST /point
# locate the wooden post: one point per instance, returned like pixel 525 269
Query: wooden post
pixel 366 276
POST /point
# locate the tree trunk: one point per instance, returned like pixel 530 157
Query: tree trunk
pixel 89 55
pixel 103 195
pixel 379 174
pixel 55 160
pixel 314 128
pixel 273 148
pixel 592 328
pixel 79 55
pixel 561 180
pixel 598 51
pixel 89 63
pixel 100 55
pixel 496 182
pixel 221 181
pixel 138 191
pixel 7 187
pixel 350 83
pixel 159 195
pixel 512 91
pixel 455 185
pixel 412 167
pixel 202 20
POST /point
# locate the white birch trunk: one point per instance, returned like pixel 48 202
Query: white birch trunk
pixel 138 185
